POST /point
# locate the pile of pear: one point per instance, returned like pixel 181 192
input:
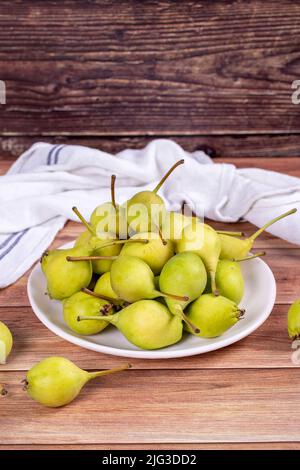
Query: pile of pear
pixel 151 285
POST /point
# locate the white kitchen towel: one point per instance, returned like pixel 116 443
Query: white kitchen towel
pixel 38 192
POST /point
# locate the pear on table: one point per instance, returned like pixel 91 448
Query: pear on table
pixel 147 324
pixel 6 343
pixel 56 381
pixel 294 320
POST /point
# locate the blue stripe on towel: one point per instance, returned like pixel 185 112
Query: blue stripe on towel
pixel 57 154
pixel 49 158
pixel 8 239
pixel 15 242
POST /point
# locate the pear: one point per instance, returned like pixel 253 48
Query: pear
pixel 203 240
pixel 173 225
pixel 56 381
pixel 83 239
pixel 155 253
pixel 294 320
pixel 103 287
pixel 235 248
pixel 6 342
pixel 104 245
pixel 132 280
pixel 213 315
pixel 84 304
pixel 184 274
pixel 104 291
pixel 146 209
pixel 147 324
pixel 229 279
pixel 65 278
pixel 109 216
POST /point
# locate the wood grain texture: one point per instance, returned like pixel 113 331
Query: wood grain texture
pixel 156 406
pixel 251 385
pixel 217 146
pixel 166 446
pixel 115 67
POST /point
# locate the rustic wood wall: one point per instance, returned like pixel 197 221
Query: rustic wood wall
pixel 113 73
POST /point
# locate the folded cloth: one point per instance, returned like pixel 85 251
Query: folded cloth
pixel 39 190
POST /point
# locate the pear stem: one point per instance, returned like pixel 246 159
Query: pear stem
pixel 264 227
pixel 181 298
pixel 190 324
pixel 85 223
pixel 103 297
pixel 157 188
pixel 90 258
pixel 164 242
pixel 247 258
pixel 120 242
pixel 231 234
pixel 213 283
pixel 177 310
pixel 95 317
pixel 93 375
pixel 112 190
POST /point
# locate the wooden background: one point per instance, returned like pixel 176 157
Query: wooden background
pixel 112 74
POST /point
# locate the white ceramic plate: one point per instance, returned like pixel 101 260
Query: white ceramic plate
pixel 259 298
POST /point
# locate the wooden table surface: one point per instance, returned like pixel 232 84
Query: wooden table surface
pixel 246 395
pixel 113 74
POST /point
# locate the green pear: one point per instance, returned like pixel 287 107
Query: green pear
pixel 204 241
pixel 146 210
pixel 103 287
pixel 213 315
pixel 109 216
pixel 65 278
pixel 147 324
pixel 173 225
pixel 185 275
pixel 155 253
pixel 229 280
pixel 132 280
pixel 81 304
pixel 56 381
pixel 236 248
pixel 104 245
pixel 83 239
pixel 6 342
pixel 294 320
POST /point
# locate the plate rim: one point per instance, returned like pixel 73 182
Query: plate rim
pixel 158 353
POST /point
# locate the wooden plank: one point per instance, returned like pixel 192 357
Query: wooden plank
pixel 150 446
pixel 158 406
pixel 267 347
pixel 159 67
pixel 217 146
